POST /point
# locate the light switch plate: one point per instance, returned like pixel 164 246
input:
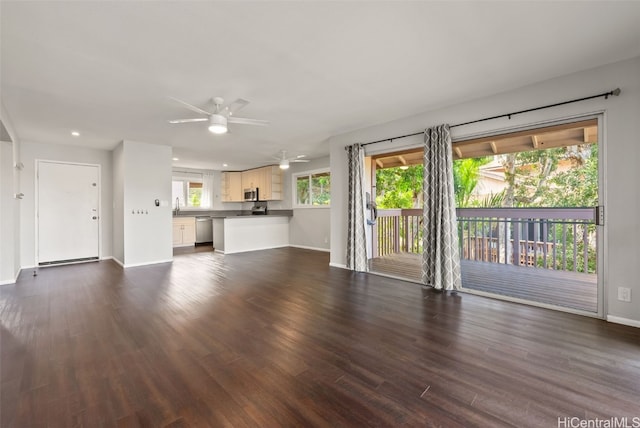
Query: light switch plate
pixel 624 294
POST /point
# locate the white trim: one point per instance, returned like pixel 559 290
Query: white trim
pixel 118 262
pixel 37 203
pixel 9 281
pixel 147 263
pixel 602 257
pixel 338 265
pixel 306 247
pixel 256 249
pixel 624 321
pixel 294 188
pixel 218 251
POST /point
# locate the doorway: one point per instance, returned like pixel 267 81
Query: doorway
pixel 67 212
pixel 527 205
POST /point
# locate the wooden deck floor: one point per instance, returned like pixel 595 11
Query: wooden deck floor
pixel 567 289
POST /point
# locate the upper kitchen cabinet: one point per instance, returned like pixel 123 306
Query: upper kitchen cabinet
pixel 231 184
pixel 250 178
pixel 271 183
pixel 267 179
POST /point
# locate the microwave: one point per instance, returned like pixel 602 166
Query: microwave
pixel 251 194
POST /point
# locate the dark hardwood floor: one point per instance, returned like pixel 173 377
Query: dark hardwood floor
pixel 277 338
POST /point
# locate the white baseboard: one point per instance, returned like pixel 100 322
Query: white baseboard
pixel 118 262
pixel 255 249
pixel 13 281
pixel 305 247
pixel 338 265
pixel 156 262
pixel 625 321
pixel 106 258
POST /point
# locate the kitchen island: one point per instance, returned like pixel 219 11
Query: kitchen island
pixel 241 233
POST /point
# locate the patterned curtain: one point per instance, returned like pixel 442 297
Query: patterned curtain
pixel 356 238
pixel 440 257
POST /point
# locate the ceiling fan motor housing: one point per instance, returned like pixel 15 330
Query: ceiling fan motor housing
pixel 217 124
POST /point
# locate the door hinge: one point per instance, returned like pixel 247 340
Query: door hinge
pixel 600 215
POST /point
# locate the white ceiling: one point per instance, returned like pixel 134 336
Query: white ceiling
pixel 314 69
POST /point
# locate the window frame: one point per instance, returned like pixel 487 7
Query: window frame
pixel 183 177
pixel 294 187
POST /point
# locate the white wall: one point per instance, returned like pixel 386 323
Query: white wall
pixel 309 227
pixel 118 203
pixel 146 177
pixel 30 152
pixel 8 221
pixel 620 154
pixel 9 207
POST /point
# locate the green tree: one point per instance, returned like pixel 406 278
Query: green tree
pixel 533 181
pixel 578 186
pixel 399 188
pixel 465 179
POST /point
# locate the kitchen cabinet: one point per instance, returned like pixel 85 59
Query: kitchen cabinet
pixel 184 231
pixel 268 179
pixel 271 183
pixel 232 187
pixel 250 179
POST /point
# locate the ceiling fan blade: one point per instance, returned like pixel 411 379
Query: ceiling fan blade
pixel 199 119
pixel 245 121
pixel 237 105
pixel 191 107
pixel 299 160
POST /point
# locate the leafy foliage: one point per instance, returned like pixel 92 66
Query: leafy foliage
pixel 532 180
pixel 465 179
pixel 399 188
pixel 314 189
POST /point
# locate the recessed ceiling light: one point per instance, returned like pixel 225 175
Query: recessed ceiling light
pixel 175 159
pixel 224 164
pixel 75 133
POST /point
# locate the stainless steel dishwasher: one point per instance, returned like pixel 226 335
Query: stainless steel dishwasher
pixel 204 231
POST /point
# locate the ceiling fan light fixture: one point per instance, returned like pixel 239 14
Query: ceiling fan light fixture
pixel 218 124
pixel 284 164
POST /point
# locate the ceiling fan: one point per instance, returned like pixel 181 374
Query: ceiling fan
pixel 284 160
pixel 220 116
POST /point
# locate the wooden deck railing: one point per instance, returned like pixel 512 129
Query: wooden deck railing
pixel 550 238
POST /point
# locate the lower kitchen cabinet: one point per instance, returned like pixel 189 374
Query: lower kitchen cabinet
pixel 184 231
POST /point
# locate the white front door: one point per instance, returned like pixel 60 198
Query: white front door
pixel 67 212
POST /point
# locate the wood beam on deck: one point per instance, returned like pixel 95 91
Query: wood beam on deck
pixel 494 147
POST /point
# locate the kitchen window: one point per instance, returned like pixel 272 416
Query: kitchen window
pixel 187 187
pixel 313 189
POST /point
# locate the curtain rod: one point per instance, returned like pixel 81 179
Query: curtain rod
pixel 606 95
